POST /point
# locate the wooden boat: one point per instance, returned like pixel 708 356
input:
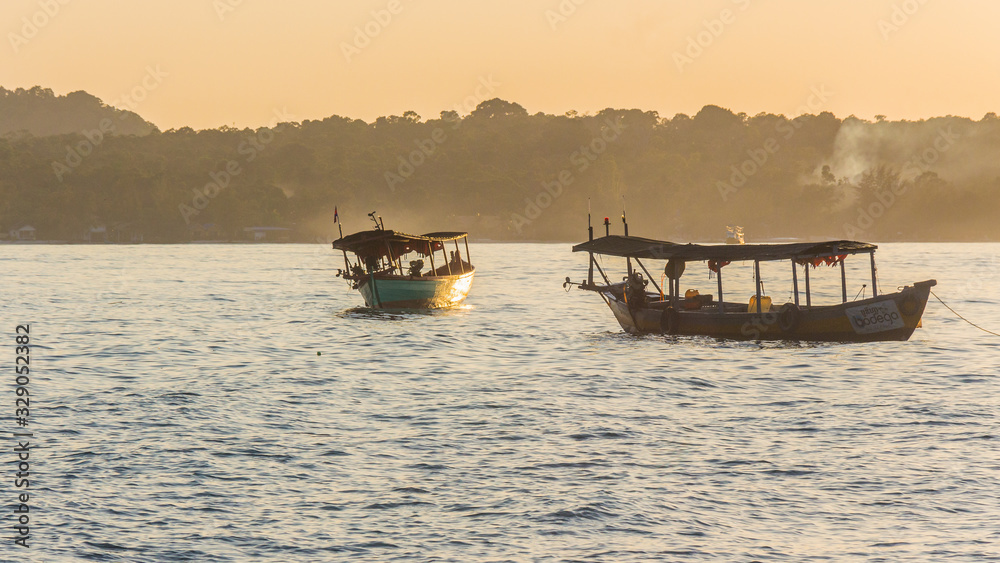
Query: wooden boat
pixel 379 274
pixel 889 316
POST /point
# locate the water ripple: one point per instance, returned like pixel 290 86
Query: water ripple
pixel 198 403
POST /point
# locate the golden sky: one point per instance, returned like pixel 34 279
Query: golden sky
pixel 208 63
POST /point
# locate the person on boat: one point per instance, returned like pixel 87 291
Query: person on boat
pixel 635 290
pixel 415 267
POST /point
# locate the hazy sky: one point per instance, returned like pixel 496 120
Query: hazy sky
pixel 207 63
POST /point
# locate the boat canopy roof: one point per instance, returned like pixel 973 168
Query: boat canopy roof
pixel 637 247
pixel 377 242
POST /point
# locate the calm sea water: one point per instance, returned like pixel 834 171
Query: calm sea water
pixel 234 403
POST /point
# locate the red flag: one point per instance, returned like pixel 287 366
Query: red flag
pixel 335 216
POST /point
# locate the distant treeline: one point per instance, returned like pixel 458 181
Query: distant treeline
pixel 500 173
pixel 39 112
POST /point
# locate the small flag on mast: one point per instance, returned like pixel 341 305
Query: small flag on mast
pixel 335 216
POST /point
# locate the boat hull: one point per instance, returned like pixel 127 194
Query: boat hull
pixel 415 292
pixel 891 316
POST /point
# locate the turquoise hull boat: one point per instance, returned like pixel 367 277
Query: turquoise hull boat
pixel 408 292
pixel 380 274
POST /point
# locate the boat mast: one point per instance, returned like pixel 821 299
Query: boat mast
pixel 628 261
pixel 590 237
pixel 347 263
pixel 624 222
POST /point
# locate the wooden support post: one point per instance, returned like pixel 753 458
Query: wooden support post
pixel 719 278
pixel 874 279
pixel 808 294
pixel 795 281
pixel 843 280
pixel 756 272
pixel 388 250
pixel 590 237
pixel 458 258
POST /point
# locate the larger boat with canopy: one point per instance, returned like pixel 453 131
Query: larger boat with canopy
pixel 387 278
pixel 886 316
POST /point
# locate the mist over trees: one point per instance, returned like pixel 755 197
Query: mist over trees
pixel 501 173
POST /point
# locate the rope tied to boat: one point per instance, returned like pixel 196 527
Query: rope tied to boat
pixel 961 317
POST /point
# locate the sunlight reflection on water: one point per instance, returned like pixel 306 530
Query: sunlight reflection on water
pixel 183 413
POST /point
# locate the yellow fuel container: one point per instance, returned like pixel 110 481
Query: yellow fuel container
pixel 765 304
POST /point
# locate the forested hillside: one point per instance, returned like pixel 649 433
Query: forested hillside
pixel 503 173
pixel 39 112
